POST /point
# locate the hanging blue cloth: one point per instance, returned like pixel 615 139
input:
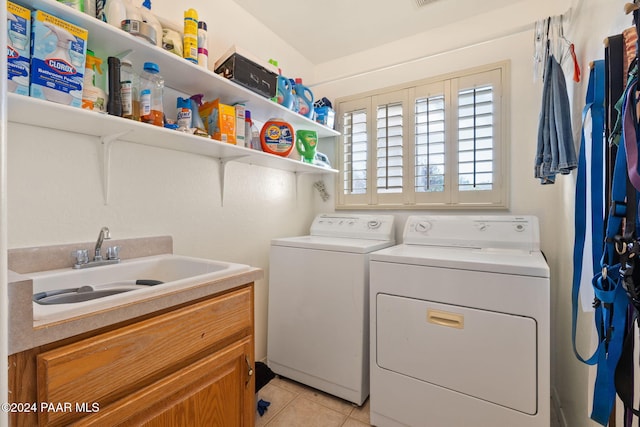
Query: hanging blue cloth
pixel 556 152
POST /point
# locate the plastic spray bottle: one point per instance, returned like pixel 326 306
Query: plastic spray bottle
pixel 190 40
pixel 93 97
pixel 194 103
pixel 253 140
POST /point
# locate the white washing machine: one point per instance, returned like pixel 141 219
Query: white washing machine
pixel 318 331
pixel 460 325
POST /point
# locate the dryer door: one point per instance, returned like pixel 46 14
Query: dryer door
pixel 483 354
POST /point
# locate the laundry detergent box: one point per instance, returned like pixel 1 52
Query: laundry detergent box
pixel 220 120
pixel 58 53
pixel 18 48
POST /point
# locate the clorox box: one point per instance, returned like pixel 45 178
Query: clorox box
pixel 18 48
pixel 58 53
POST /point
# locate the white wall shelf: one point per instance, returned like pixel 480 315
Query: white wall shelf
pixel 45 114
pixel 179 75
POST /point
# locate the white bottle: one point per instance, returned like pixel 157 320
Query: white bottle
pixel 129 91
pixel 203 48
pixel 90 7
pixel 150 18
pixel 116 12
pixel 134 13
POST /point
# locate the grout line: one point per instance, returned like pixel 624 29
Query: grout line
pixel 304 391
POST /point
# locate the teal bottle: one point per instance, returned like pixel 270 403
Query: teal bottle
pixel 305 99
pixel 285 96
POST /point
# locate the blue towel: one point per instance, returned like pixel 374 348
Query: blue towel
pixel 262 406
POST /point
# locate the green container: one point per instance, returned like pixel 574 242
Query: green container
pixel 306 144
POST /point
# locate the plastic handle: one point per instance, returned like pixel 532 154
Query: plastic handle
pixel 442 318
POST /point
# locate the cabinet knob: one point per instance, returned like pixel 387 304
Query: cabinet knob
pixel 249 369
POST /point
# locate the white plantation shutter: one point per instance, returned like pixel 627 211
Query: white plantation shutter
pixel 355 152
pixel 389 128
pixel 430 118
pixel 354 158
pixel 430 144
pixel 389 148
pixel 478 170
pixel 436 144
pixel 475 139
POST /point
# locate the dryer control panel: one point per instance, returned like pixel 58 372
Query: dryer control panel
pixel 481 232
pixel 375 227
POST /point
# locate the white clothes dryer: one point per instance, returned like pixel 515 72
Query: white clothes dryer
pixel 460 325
pixel 318 331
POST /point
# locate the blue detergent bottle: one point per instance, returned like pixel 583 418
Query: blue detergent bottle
pixel 305 99
pixel 285 95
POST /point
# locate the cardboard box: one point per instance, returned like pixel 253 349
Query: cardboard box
pixel 250 74
pixel 220 120
pixel 18 48
pixel 325 116
pixel 58 53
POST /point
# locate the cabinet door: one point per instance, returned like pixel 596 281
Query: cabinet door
pixel 217 390
pixel 104 368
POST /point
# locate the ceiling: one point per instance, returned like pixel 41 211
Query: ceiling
pixel 330 29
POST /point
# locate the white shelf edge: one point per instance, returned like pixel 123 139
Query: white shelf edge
pixel 45 114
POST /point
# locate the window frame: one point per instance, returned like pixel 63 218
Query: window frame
pixel 498 75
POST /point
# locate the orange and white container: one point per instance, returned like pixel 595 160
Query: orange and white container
pixel 277 137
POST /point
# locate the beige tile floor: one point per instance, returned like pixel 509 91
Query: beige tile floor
pixel 297 405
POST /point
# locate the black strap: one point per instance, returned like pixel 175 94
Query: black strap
pixel 625 368
pixel 614 90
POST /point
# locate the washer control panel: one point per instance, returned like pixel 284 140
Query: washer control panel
pixel 483 232
pixel 376 227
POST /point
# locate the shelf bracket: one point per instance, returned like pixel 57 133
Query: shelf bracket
pixel 105 161
pixel 297 175
pixel 222 169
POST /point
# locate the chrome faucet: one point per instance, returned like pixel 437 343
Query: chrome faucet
pixel 102 236
pixel 82 256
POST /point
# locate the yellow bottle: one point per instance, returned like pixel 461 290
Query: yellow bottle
pixel 190 51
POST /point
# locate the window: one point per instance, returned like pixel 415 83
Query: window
pixel 434 143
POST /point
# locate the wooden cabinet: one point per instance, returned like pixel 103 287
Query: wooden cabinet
pixel 192 366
